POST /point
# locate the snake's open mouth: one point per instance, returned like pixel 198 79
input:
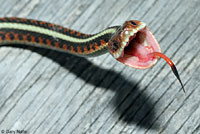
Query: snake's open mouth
pixel 138 47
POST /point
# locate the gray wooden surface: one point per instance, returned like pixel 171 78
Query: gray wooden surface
pixel 43 91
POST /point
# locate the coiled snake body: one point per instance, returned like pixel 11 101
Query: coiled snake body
pixel 131 44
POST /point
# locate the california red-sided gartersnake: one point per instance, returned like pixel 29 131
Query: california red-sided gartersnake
pixel 131 44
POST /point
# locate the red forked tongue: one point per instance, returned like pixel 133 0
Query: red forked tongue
pixel 173 67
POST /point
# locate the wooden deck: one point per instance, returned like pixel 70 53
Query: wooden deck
pixel 43 91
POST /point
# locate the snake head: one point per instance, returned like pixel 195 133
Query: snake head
pixel 135 46
pixel 132 43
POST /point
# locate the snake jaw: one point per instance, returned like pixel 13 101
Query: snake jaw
pixel 131 45
pixel 122 38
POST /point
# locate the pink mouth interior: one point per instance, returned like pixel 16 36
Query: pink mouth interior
pixel 136 54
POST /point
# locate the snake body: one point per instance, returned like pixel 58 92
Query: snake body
pixel 43 34
pixel 131 44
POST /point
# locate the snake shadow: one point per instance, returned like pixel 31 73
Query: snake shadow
pixel 127 107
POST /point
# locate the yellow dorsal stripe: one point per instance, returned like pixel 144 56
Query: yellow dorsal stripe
pixel 52 33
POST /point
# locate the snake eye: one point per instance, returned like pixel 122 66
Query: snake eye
pixel 114 46
pixel 133 23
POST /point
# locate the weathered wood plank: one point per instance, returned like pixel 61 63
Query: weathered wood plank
pixel 44 91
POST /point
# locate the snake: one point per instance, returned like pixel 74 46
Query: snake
pixel 132 43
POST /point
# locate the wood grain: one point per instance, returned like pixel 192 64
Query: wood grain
pixel 44 91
